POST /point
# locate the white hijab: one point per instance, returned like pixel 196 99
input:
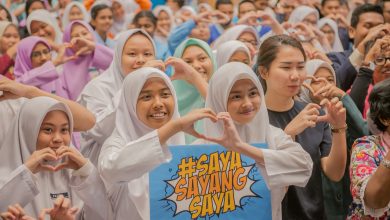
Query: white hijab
pixel 220 84
pixel 234 33
pixel 168 10
pixel 110 81
pixel 65 17
pixel 20 143
pixel 226 50
pixel 301 12
pixel 129 7
pixel 312 67
pixel 44 16
pixel 337 46
pixel 127 124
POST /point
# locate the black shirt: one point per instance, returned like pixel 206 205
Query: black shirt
pixel 307 202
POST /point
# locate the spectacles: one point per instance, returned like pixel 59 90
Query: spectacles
pixel 38 54
pixel 380 61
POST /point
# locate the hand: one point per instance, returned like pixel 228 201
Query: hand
pixel 380 45
pixel 303 29
pixel 158 64
pixel 374 33
pixel 15 212
pixel 249 18
pixel 74 158
pixel 62 210
pixel 61 57
pixel 13 90
pixel 187 122
pixel 11 52
pixel 82 46
pixel 162 31
pixel 328 90
pixel 183 71
pixel 316 54
pixel 230 138
pixel 306 118
pixel 269 20
pixel 35 162
pixel 202 17
pixel 220 17
pixel 335 112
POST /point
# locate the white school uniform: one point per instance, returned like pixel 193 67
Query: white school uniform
pixel 101 97
pixel 285 161
pixel 34 192
pixel 133 150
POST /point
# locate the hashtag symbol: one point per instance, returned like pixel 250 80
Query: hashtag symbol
pixel 186 168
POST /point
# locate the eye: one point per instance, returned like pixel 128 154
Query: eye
pixel 146 97
pixel 148 54
pixel 47 130
pixel 132 54
pixel 202 59
pixel 235 97
pixel 65 130
pixel 301 67
pixel 166 95
pixel 285 67
pixel 253 93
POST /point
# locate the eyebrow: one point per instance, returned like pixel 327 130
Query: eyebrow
pixel 51 124
pixel 292 62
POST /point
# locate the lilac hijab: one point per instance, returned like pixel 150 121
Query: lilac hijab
pixel 23 54
pixel 76 72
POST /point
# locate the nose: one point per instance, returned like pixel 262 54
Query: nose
pixel 140 60
pixel 196 65
pixel 45 57
pixel 41 32
pixel 157 104
pixel 57 138
pixel 294 74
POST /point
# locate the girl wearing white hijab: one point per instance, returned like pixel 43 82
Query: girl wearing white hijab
pixel 101 95
pixel 331 30
pixel 74 11
pixel 165 22
pixel 147 120
pixel 235 93
pixel 305 14
pixel 27 177
pixel 129 7
pixel 41 23
pixel 233 51
pixel 237 33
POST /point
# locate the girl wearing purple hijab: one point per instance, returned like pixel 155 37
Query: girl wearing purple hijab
pixel 88 54
pixel 33 66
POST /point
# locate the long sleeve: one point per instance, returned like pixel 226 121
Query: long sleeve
pixel 102 57
pixel 5 63
pixel 345 71
pixel 123 162
pixel 286 164
pixel 360 87
pixel 89 187
pixel 39 76
pixel 179 34
pixel 20 188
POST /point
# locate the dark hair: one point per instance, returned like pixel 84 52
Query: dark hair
pixel 97 8
pixel 364 9
pixel 29 3
pixel 380 103
pixel 323 2
pixel 179 2
pixel 9 18
pixel 245 1
pixel 223 2
pixel 143 14
pixel 270 48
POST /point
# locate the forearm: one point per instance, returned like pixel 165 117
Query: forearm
pixel 360 87
pixel 334 165
pixel 201 85
pixel 377 193
pixel 168 130
pixel 251 151
pixel 179 34
pixel 83 119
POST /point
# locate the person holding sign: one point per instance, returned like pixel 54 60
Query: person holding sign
pixel 147 120
pixel 36 162
pixel 235 93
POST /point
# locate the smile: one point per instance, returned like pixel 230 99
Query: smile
pixel 159 115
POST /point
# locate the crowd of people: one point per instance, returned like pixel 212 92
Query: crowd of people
pixel 93 92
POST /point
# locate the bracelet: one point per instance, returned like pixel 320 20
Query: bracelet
pixel 338 130
pixel 386 163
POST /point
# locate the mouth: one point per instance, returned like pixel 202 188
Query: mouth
pixel 247 111
pixel 158 115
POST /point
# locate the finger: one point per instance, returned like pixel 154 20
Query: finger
pixel 47 167
pixel 58 202
pixel 14 210
pixel 65 204
pixel 62 150
pixel 82 51
pixel 20 209
pixel 73 210
pixel 307 86
pixel 7 216
pixel 325 102
pixel 61 166
pixel 43 213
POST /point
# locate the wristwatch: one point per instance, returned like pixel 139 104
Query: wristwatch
pixel 338 130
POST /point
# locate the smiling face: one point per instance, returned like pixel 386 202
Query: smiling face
pixel 79 30
pixel 136 52
pixel 199 60
pixel 248 37
pixel 164 21
pixel 43 30
pixel 155 104
pixel 286 72
pixel 147 25
pixel 10 37
pixel 240 56
pixel 40 55
pixel 117 11
pixel 329 33
pixel 75 13
pixel 103 21
pixel 310 20
pixel 243 101
pixel 54 131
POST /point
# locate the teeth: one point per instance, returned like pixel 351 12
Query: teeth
pixel 158 115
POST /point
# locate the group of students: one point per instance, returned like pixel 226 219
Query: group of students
pixel 90 102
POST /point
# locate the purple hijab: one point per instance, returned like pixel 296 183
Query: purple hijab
pixel 76 72
pixel 23 54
